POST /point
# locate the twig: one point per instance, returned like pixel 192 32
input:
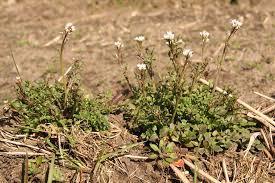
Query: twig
pixel 21 154
pixel 136 157
pixel 25 169
pixel 54 40
pixel 60 149
pixel 268 119
pixel 268 109
pixel 271 136
pixel 180 174
pixel 219 174
pixel 265 139
pixel 264 96
pixel 225 171
pixel 251 165
pixel 26 145
pixel 260 119
pixel 201 172
pixel 268 154
pixel 234 172
pixel 67 71
pixel 251 141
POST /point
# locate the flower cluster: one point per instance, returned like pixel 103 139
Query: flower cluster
pixel 236 24
pixel 141 67
pixel 188 53
pixel 205 36
pixel 169 36
pixel 119 44
pixel 139 38
pixel 69 28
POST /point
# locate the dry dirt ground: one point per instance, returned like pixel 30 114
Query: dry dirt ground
pixel 29 26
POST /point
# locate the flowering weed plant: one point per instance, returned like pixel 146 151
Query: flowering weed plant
pixel 60 105
pixel 178 109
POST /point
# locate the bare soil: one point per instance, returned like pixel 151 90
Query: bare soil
pixel 28 28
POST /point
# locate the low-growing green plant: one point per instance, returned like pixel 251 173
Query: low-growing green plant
pixel 163 152
pixel 180 109
pixel 61 103
pixel 35 165
pixel 41 103
pixel 57 110
pixel 206 121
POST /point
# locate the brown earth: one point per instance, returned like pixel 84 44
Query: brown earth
pixel 27 26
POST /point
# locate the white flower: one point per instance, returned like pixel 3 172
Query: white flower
pixel 169 35
pixel 139 38
pixel 205 36
pixel 186 172
pixel 18 79
pixel 69 28
pixel 141 67
pixel 118 44
pixel 188 53
pixel 236 24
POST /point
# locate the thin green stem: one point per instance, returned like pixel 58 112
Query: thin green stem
pixel 226 45
pixel 197 72
pixel 179 89
pixel 124 69
pixel 62 66
pixel 15 65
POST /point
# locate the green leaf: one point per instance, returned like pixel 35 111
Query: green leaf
pixel 175 138
pixel 169 160
pixel 170 147
pixel 154 147
pixel 217 148
pixel 153 137
pixel 153 156
pixel 163 132
pixel 161 144
pixel 215 133
pixel 173 156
